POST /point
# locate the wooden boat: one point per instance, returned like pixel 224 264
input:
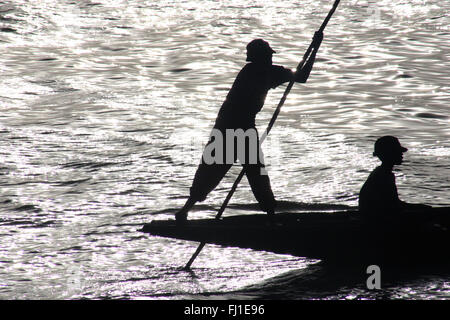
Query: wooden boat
pixel 336 237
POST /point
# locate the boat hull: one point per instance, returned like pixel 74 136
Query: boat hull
pixel 337 237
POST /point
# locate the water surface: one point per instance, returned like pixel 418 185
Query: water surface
pixel 106 106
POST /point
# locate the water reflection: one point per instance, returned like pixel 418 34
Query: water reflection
pixel 92 91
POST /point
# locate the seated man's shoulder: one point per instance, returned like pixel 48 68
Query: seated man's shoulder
pixel 380 173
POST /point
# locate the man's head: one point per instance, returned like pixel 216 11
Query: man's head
pixel 259 50
pixel 388 149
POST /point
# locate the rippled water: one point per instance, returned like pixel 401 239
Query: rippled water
pixel 106 106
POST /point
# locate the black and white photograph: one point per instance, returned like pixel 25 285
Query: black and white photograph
pixel 215 157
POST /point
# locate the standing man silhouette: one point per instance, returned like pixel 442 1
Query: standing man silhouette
pixel 237 115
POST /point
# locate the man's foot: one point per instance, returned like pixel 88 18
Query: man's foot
pixel 181 217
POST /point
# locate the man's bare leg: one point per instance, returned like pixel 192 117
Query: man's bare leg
pixel 181 216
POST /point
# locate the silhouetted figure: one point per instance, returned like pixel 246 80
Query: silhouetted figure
pixel 244 100
pixel 378 198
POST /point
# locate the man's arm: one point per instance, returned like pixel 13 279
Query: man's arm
pixel 281 75
pixel 303 74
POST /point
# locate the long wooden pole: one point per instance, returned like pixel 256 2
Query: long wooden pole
pixel 269 127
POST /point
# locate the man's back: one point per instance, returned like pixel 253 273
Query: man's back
pixel 248 93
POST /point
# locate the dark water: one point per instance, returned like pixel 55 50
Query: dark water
pixel 106 106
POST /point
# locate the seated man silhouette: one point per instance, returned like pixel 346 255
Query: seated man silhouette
pixel 378 198
pixel 244 100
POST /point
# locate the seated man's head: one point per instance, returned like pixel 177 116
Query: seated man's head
pixel 389 150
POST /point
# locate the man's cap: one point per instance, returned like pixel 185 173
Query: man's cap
pixel 387 144
pixel 257 48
